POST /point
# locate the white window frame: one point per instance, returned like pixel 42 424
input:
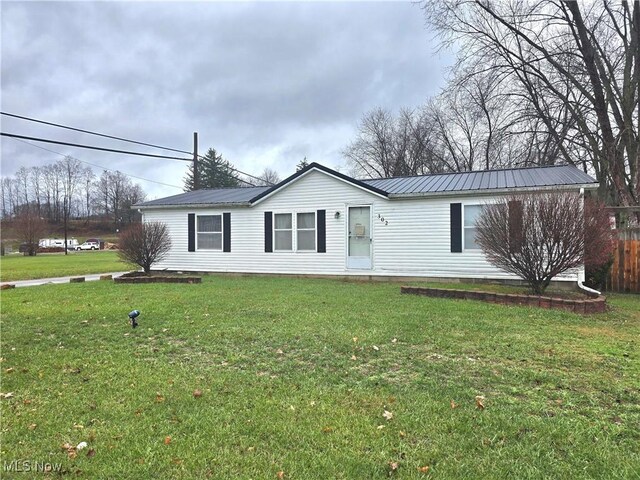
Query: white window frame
pixel 291 230
pixel 198 233
pixel 314 230
pixel 294 231
pixel 465 227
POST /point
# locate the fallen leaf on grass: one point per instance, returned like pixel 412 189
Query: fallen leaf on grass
pixel 197 393
pixel 380 427
pixel 280 474
pixel 91 453
pixel 424 469
pixel 480 402
pixel 393 467
pixel 9 370
pixel 81 446
pixel 279 352
pixel 402 434
pixel 387 414
pixel 159 398
pixel 327 429
pixel 32 426
pixel 376 348
pixel 353 357
pixel 454 404
pixel 395 340
pixel 176 461
pixel 167 440
pixel 6 395
pixel 26 401
pixel 355 339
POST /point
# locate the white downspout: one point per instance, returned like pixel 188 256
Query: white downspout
pixel 581 272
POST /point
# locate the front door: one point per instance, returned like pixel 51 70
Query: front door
pixel 359 238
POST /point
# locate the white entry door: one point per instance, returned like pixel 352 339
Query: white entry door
pixel 359 238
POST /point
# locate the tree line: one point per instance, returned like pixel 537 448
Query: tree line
pixel 67 189
pixel 534 83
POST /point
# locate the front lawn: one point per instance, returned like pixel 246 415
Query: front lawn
pixel 47 265
pixel 296 375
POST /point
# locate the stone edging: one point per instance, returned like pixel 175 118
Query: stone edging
pixel 156 279
pixel 590 305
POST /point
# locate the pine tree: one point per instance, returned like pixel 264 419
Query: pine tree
pixel 302 164
pixel 214 172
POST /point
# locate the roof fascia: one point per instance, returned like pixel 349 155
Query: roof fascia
pixel 495 191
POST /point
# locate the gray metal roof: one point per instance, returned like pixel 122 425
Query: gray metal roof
pixel 560 175
pixel 487 180
pixel 216 196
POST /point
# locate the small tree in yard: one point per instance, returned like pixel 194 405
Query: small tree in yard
pixel 540 236
pixel 144 244
pixel 30 228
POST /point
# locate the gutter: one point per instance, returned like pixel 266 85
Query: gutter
pixel 581 272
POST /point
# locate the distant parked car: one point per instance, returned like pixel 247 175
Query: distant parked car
pixel 89 246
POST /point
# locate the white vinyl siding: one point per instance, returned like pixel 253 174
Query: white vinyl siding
pixel 209 232
pixel 471 214
pixel 412 241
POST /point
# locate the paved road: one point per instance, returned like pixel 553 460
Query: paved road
pixel 45 281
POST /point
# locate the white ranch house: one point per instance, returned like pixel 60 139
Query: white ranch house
pixel 322 222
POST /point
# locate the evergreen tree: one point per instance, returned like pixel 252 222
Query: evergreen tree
pixel 214 172
pixel 302 164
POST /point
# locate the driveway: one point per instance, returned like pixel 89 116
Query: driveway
pixel 45 281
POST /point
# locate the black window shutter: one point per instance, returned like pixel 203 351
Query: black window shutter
pixel 192 231
pixel 456 227
pixel 516 227
pixel 226 229
pixel 268 231
pixel 321 226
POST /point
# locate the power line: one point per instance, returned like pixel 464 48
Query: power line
pixel 98 166
pixel 91 147
pixel 90 132
pixel 29 119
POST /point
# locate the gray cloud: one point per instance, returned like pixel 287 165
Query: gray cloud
pixel 264 83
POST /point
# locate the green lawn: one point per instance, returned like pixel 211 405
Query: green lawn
pixel 19 267
pixel 296 375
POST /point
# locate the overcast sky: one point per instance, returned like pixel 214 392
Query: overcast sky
pixel 266 84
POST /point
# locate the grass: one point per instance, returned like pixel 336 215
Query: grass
pixel 47 265
pixel 295 377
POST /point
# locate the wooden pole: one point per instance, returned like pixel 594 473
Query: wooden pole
pixel 196 173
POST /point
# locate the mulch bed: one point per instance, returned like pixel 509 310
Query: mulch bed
pixel 584 305
pixel 141 277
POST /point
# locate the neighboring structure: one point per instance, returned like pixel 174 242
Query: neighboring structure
pixel 321 222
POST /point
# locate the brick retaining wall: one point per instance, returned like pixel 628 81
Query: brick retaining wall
pixel 588 305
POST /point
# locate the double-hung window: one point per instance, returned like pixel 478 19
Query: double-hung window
pixel 306 230
pixel 283 232
pixel 209 232
pixel 294 232
pixel 471 215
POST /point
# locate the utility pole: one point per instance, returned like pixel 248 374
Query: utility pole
pixel 196 173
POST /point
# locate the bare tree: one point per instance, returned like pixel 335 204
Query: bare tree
pixel 30 228
pixel 575 67
pixel 144 244
pixel 538 236
pixel 390 146
pixel 268 178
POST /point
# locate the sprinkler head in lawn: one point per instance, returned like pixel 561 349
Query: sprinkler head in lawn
pixel 132 317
